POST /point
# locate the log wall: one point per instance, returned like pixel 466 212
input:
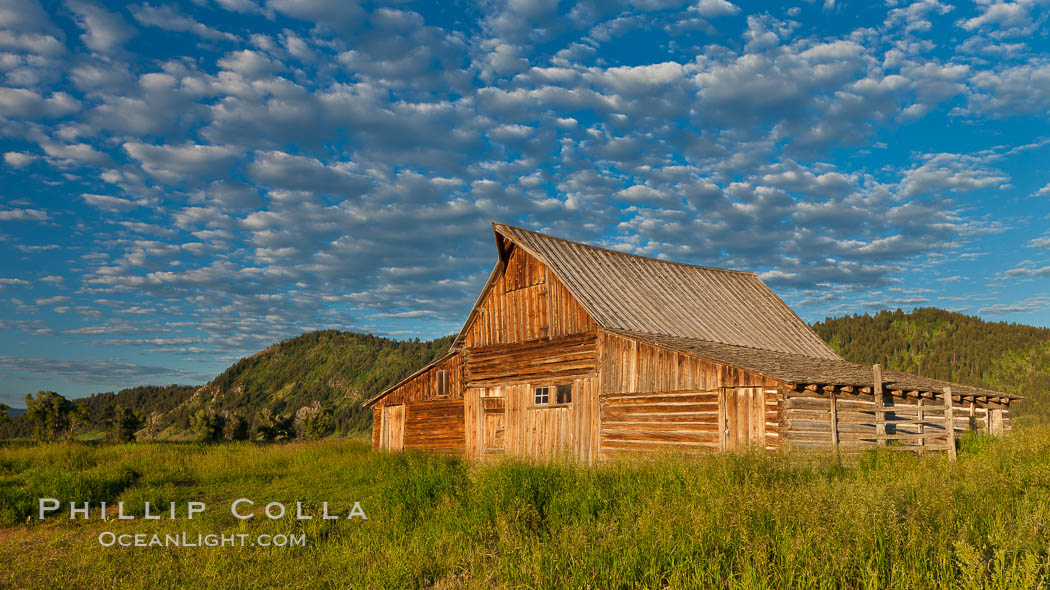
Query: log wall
pixel 909 423
pixel 435 425
pixel 526 302
pixel 659 421
pixel 538 361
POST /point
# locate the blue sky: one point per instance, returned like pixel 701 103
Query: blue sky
pixel 184 184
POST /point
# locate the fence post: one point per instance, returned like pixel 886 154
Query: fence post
pixel 880 414
pixel 834 420
pixel 949 422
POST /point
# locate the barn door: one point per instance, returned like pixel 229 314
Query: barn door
pixel 392 433
pixel 741 411
pixel 494 425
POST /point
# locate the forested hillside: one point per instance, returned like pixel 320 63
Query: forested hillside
pixel 1008 357
pixel 144 400
pixel 330 368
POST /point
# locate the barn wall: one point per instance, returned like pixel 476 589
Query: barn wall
pixel 654 398
pixel 377 426
pixel 435 425
pixel 526 302
pixel 631 366
pixel 423 387
pixel 911 423
pixel 659 421
pixel 533 431
pixel 562 358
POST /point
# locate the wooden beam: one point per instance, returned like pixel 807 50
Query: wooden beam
pixel 880 416
pixel 921 418
pixel 949 422
pixel 834 420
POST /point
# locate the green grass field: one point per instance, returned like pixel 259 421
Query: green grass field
pixel 877 520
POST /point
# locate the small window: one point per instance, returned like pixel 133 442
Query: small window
pixel 542 395
pixel 563 394
pixel 442 383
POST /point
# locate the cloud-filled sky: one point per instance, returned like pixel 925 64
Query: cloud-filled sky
pixel 185 184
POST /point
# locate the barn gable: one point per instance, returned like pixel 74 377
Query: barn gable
pixel 632 293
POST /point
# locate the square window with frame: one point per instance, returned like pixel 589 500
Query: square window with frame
pixel 542 396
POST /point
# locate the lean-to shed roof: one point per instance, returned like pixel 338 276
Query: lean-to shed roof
pixel 795 369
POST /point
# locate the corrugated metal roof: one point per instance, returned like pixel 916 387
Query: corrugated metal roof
pixel 627 292
pixel 794 369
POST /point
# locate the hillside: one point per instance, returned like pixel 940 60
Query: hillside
pixel 337 369
pixel 144 399
pixel 1008 357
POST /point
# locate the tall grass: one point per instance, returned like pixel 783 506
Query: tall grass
pixel 879 519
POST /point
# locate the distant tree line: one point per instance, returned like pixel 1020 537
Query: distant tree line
pixel 931 342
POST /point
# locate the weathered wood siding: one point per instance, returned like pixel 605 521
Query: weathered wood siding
pixel 562 358
pixel 911 423
pixel 659 421
pixel 377 425
pixel 526 302
pixel 733 418
pixel 532 431
pixel 631 366
pixel 435 425
pixel 654 398
pixel 423 387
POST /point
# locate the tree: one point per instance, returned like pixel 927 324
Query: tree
pixel 208 426
pixel 237 428
pixel 49 415
pixel 79 415
pixel 123 425
pixel 270 426
pixel 318 423
pixel 153 424
pixel 5 414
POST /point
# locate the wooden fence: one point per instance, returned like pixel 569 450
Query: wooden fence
pixel 848 418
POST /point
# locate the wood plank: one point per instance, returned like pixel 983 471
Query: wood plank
pixel 948 424
pixel 880 426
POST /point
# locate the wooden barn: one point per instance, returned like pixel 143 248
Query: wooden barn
pixel 574 350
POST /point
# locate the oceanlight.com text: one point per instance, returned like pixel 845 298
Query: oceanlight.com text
pixel 184 539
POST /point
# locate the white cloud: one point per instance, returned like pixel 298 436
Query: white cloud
pixel 18 159
pixel 23 215
pixel 716 8
pixel 104 31
pixel 168 18
pixel 21 102
pixel 108 202
pixel 176 163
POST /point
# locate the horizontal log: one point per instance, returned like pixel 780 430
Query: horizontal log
pixel 660 398
pixel 711 425
pixel 656 445
pixel 658 407
pixel 611 435
pixel 706 417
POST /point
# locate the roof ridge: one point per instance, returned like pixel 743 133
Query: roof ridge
pixel 496 225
